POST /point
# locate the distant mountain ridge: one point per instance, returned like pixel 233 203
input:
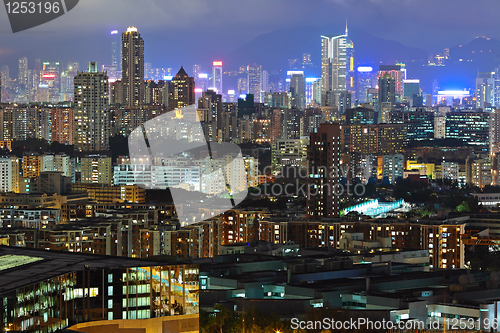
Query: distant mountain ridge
pixel 272 50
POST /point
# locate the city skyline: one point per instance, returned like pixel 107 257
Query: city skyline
pixel 370 50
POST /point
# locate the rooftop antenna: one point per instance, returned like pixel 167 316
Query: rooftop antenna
pixel 346 27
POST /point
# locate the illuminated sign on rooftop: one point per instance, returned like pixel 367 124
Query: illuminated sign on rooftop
pixel 203 76
pixel 217 63
pixel 453 93
pixel 365 69
pixel 289 73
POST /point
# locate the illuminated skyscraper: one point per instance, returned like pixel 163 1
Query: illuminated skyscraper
pixel 116 51
pixel 50 82
pixel 181 90
pixel 22 78
pixel 132 67
pixel 196 70
pixel 334 62
pixel 397 72
pixel 265 81
pixel 5 76
pixel 312 95
pixel 411 87
pixel 485 90
pixel 365 79
pixel 148 71
pixel 254 72
pixel 298 90
pixel 202 81
pixel 242 86
pixel 386 97
pixel 350 68
pixel 91 128
pixel 67 81
pixel 387 89
pixel 22 81
pixel 217 77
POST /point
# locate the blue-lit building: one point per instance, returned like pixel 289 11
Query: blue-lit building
pixel 472 127
pixel 365 79
pixel 419 125
pixel 361 116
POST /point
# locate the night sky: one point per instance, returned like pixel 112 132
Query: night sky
pixel 186 31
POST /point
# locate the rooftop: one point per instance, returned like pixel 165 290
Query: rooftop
pixel 23 266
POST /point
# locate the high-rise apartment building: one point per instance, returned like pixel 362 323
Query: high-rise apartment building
pixel 60 163
pixel 91 128
pixel 31 165
pixel 132 67
pixel 9 174
pixel 26 121
pixel 479 171
pixel 97 169
pixel 495 132
pixel 383 139
pixel 393 167
pixel 323 156
pixel 61 125
pixel 291 121
pixel 286 153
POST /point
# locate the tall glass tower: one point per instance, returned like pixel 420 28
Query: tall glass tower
pixel 334 62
